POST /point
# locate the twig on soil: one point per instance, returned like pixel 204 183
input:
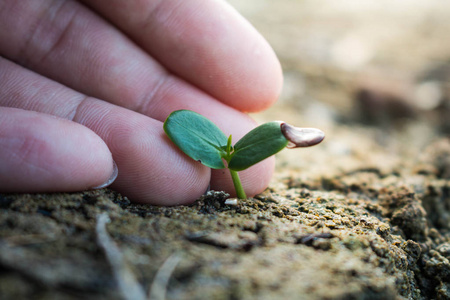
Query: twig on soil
pixel 159 286
pixel 127 282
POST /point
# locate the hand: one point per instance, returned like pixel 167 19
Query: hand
pixel 83 84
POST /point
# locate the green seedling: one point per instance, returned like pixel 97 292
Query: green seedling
pixel 204 142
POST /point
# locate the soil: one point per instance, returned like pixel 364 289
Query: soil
pixel 364 215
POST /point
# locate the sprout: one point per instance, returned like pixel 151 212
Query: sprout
pixel 204 142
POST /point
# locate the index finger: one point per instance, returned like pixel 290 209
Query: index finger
pixel 205 42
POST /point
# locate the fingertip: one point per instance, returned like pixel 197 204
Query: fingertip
pixel 257 177
pixel 152 170
pixel 165 185
pixel 110 180
pixel 258 78
pixel 239 66
pixel 206 43
pixel 42 153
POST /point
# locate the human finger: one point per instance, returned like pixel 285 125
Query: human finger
pixel 151 169
pixel 42 153
pixel 156 93
pixel 204 42
pixel 71 45
pixel 65 41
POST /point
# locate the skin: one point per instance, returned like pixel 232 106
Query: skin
pixel 83 83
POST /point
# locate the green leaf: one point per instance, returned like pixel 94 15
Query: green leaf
pixel 197 136
pixel 257 145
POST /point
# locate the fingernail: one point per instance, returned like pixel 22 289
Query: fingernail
pixel 110 179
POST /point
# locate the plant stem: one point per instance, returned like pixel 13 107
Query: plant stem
pixel 238 185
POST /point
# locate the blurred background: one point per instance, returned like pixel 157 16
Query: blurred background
pixel 374 75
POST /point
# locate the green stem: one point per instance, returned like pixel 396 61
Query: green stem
pixel 238 185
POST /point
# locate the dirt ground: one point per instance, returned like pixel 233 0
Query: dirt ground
pixel 364 215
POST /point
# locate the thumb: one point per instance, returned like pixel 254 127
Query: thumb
pixel 42 153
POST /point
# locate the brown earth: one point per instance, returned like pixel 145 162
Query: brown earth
pixel 364 215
